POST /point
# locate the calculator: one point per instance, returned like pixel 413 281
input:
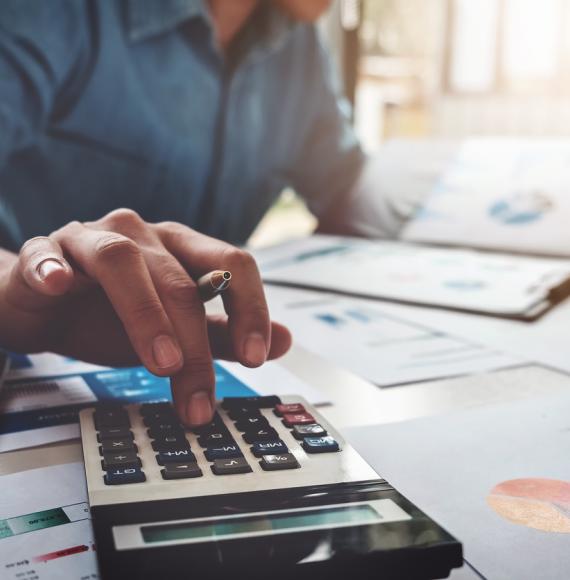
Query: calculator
pixel 268 489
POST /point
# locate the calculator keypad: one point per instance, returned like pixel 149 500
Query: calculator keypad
pixel 178 458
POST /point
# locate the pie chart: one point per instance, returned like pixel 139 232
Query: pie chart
pixel 542 504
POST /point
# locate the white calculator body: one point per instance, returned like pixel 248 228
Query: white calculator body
pixel 267 489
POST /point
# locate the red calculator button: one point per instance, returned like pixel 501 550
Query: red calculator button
pixel 281 410
pixel 290 419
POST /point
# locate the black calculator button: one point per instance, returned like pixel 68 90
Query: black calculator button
pixel 311 430
pixel 250 423
pixel 116 445
pixel 281 461
pixel 157 418
pixel 264 434
pixel 216 424
pixel 231 466
pixel 241 413
pixel 175 456
pixel 269 448
pixel 319 444
pixel 261 402
pixel 127 459
pixel 170 443
pixel 147 409
pixel 181 471
pixel 121 476
pixel 223 452
pixel 215 439
pixel 111 417
pixel 114 433
pixel 160 430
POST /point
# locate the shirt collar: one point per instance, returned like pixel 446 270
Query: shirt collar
pixel 147 18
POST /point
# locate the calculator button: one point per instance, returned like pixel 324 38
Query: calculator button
pixel 150 408
pixel 170 442
pixel 241 413
pixel 181 471
pixel 319 444
pixel 215 439
pixel 111 417
pixel 250 423
pixel 280 410
pixel 114 433
pixel 115 445
pixel 175 456
pixel 126 459
pixel 261 448
pixel 282 461
pixel 267 434
pixel 310 430
pixel 216 424
pixel 261 402
pixel 161 430
pixel 156 418
pixel 290 419
pixel 223 452
pixel 231 466
pixel 122 476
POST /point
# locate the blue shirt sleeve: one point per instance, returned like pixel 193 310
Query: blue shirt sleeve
pixel 330 159
pixel 39 47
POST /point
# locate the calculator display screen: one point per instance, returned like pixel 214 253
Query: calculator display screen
pixel 263 523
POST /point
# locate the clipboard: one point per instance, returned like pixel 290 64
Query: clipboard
pixel 486 283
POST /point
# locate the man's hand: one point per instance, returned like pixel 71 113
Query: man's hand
pixel 122 291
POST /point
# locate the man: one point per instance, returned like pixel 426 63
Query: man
pixel 192 114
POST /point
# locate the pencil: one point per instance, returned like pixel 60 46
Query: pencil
pixel 213 283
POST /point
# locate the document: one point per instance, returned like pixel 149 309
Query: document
pixel 501 194
pixel 43 393
pixel 45 526
pixel 465 280
pixel 385 349
pixel 497 477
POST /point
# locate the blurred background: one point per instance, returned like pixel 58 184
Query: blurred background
pixel 445 70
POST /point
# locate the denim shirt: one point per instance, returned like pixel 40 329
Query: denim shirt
pixel 129 103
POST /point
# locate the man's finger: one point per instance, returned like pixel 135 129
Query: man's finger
pixel 40 275
pixel 222 346
pixel 192 387
pixel 244 300
pixel 117 264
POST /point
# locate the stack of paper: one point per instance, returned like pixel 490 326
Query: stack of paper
pixel 465 280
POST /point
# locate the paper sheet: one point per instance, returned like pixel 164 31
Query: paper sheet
pixel 43 393
pixel 496 284
pixel 504 194
pixel 382 348
pixel 45 527
pixel 448 465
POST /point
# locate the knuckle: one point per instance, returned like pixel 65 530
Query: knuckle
pixel 142 310
pixel 124 217
pixel 115 246
pixel 238 259
pixel 183 292
pixel 201 367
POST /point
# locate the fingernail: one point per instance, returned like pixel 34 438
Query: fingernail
pixel 255 350
pixel 166 353
pixel 199 408
pixel 47 267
